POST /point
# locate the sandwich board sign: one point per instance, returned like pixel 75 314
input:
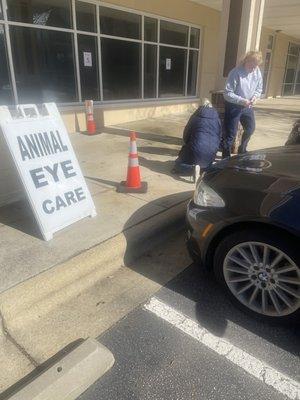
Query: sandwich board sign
pixel 48 167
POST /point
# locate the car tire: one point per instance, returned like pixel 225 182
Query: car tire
pixel 264 299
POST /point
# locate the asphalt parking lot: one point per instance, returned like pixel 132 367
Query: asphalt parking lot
pixel 189 342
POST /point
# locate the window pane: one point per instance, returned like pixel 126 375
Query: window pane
pixel 86 17
pixel 292 62
pixel 266 69
pixel 171 33
pixel 120 23
pixel 192 76
pixel 150 62
pixel 194 40
pixel 150 29
pixel 287 89
pixel 5 86
pixel 88 61
pixel 172 72
pixel 44 65
pixel 41 12
pixel 290 75
pixel 297 89
pixel 294 49
pixel 121 69
pixel 291 66
pixel 267 62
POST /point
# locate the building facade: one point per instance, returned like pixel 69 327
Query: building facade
pixel 134 57
pixel 281 67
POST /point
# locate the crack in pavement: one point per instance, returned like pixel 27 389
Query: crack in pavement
pixel 7 334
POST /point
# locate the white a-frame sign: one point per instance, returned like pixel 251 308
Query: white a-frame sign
pixel 47 165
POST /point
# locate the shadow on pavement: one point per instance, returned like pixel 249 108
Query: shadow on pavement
pixel 153 137
pixel 104 181
pixel 213 310
pixel 158 227
pixel 20 216
pixel 163 167
pixel 161 151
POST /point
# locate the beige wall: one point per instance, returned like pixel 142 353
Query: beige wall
pixel 265 32
pixel 75 119
pixel 278 61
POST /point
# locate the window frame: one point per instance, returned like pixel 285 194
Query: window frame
pixel 269 50
pixel 297 70
pixel 75 32
pixel 6 60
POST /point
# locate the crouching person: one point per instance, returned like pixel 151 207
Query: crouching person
pixel 294 136
pixel 201 138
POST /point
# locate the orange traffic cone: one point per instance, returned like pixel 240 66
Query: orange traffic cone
pixel 90 123
pixel 133 183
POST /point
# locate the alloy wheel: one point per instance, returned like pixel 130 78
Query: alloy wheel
pixel 263 278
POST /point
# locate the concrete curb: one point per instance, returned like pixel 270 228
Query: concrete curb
pixel 87 294
pixel 70 376
pixel 67 280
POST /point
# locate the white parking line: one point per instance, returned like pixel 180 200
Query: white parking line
pixel 248 363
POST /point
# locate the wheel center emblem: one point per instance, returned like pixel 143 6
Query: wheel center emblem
pixel 263 276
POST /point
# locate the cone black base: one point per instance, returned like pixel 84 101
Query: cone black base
pixel 122 188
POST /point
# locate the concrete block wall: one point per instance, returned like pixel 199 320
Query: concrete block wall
pixel 75 118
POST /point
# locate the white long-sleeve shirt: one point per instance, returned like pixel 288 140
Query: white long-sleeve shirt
pixel 243 85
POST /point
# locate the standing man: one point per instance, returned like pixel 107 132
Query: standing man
pixel 243 87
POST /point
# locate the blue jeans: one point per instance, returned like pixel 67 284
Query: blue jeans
pixel 183 169
pixel 235 113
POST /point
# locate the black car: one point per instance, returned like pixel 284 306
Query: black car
pixel 244 223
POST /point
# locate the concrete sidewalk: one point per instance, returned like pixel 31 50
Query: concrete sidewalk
pixel 103 159
pixel 87 277
pixel 285 104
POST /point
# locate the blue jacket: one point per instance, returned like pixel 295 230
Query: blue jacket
pixel 201 137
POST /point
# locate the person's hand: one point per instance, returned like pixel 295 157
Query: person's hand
pixel 253 100
pixel 246 103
